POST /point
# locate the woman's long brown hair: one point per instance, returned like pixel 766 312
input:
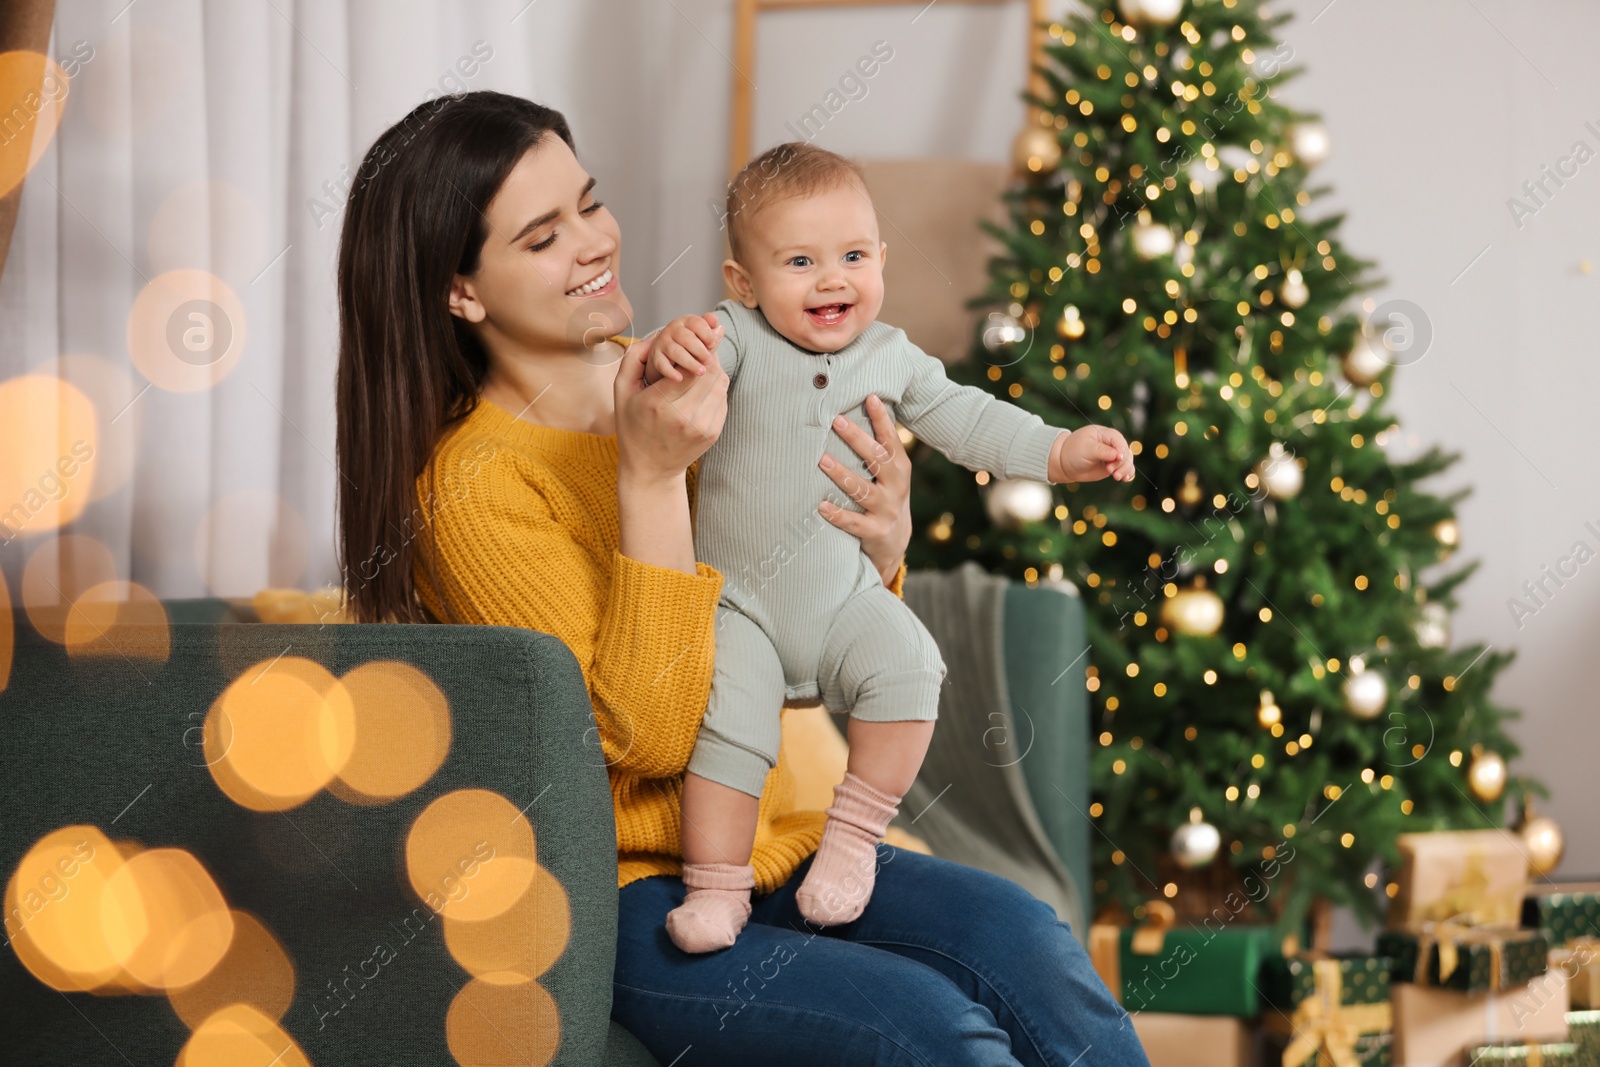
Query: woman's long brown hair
pixel 408 369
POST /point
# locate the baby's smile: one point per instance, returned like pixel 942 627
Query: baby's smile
pixel 829 315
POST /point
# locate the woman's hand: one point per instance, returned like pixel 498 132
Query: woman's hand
pixel 885 527
pixel 662 428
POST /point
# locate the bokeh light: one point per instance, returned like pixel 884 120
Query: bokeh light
pixel 52 903
pixel 35 87
pixel 186 331
pixel 118 619
pixel 58 572
pixel 255 971
pixel 248 541
pixel 495 1023
pixel 278 734
pixel 111 390
pixel 402 732
pixel 210 225
pixel 7 635
pixel 520 944
pixel 240 1036
pixel 470 855
pixel 48 441
pixel 164 919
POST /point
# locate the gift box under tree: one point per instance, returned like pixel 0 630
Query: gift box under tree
pixel 1327 1012
pixel 1467 959
pixel 1526 1054
pixel 1568 912
pixel 1205 969
pixel 1584 1031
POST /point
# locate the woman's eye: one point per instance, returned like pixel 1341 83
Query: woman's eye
pixel 540 246
pixel 592 208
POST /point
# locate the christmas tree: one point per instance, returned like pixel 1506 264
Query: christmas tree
pixel 1271 680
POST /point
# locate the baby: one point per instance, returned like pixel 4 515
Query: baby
pixel 804 612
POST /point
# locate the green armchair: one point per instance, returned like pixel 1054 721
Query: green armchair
pixel 113 741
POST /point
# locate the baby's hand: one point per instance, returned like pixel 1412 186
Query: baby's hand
pixel 688 341
pixel 1090 453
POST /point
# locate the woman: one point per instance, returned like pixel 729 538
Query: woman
pixel 502 461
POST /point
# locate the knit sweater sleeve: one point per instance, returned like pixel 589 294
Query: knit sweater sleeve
pixel 506 560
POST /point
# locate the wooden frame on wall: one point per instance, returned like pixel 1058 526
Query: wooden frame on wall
pixel 741 115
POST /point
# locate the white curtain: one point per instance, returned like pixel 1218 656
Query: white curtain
pixel 215 136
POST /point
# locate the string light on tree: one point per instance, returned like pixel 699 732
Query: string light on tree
pixel 1487 775
pixel 1011 502
pixel 1365 692
pixel 1448 535
pixel 1196 843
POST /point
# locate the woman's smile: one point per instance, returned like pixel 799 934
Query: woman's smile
pixel 604 282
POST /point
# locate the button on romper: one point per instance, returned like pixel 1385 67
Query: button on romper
pixel 804 612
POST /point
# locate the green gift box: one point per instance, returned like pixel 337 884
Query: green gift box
pixel 1201 969
pixel 1584 1032
pixel 1322 1008
pixel 1467 959
pixel 1568 912
pixel 1527 1054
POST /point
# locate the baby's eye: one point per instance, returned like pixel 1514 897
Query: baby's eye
pixel 854 257
pixel 799 261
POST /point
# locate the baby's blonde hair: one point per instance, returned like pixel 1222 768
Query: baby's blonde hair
pixel 784 172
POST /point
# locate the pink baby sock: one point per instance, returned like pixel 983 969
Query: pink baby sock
pixel 839 884
pixel 716 908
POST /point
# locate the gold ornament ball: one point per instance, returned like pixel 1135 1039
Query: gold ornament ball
pixel 1152 240
pixel 1035 151
pixel 1433 626
pixel 1545 844
pixel 1189 492
pixel 1310 144
pixel 1150 12
pixel 1014 501
pixel 1365 361
pixel 1280 473
pixel 1294 291
pixel 1486 776
pixel 1365 694
pixel 1196 612
pixel 1195 843
pixel 1071 325
pixel 1268 714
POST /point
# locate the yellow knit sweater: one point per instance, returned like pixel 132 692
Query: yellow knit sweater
pixel 524 532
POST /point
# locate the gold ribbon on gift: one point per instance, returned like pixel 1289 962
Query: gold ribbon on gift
pixel 1579 960
pixel 1326 1028
pixel 1469 900
pixel 1149 938
pixel 1450 937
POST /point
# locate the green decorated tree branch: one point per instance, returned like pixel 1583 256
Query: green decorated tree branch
pixel 1272 682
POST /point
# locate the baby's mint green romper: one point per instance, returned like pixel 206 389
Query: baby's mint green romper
pixel 804 614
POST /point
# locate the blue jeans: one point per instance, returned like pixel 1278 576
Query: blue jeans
pixel 948 965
